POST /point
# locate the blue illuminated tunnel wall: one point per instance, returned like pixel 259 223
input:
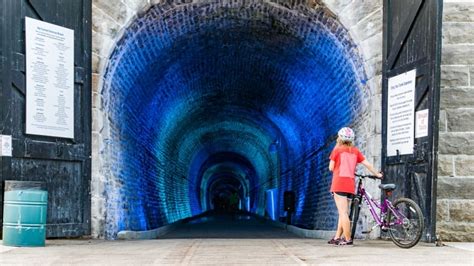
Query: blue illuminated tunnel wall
pixel 244 90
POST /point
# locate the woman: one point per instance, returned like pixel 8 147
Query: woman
pixel 343 161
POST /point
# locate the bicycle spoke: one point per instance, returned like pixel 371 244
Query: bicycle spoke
pixel 406 223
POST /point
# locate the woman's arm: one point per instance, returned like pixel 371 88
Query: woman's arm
pixel 331 165
pixel 371 169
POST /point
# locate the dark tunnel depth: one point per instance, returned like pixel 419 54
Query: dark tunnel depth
pixel 230 98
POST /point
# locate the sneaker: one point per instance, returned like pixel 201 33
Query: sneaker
pixel 333 241
pixel 347 243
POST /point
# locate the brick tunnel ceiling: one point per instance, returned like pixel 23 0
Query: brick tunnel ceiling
pixel 197 94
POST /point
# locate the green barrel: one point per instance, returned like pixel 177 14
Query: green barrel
pixel 24 214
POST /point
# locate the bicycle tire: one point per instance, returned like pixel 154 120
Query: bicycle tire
pixel 354 215
pixel 419 218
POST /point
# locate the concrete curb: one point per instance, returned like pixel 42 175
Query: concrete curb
pixel 306 233
pixel 149 234
pixel 157 232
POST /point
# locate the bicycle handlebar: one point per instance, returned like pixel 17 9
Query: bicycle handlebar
pixel 369 176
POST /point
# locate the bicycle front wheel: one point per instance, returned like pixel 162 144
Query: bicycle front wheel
pixel 354 215
pixel 406 223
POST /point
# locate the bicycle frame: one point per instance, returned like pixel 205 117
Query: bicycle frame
pixel 392 219
pixel 384 207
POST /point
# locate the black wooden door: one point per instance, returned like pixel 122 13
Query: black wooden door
pixel 412 40
pixel 64 164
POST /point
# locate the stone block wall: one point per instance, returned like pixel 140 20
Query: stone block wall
pixel 455 204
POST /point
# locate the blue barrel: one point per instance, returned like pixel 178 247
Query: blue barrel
pixel 24 214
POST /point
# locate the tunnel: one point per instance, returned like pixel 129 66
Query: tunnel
pixel 213 98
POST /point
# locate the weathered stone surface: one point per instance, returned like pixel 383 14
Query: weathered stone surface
pixel 95 164
pixel 375 85
pixel 102 23
pixel 455 32
pixel 95 100
pixel 95 82
pixel 372 47
pixel 376 117
pixel 453 76
pixel 460 120
pixel 455 187
pixel 357 11
pixel 337 6
pixel 101 43
pixel 116 10
pixel 155 2
pixel 460 232
pixel 374 144
pixel 442 210
pixel 458 12
pixel 456 143
pixel 461 211
pixel 368 26
pixel 457 54
pixel 457 97
pixel 445 165
pixel 97 212
pixel 442 121
pixel 471 70
pixel 373 67
pixel 138 4
pixel 97 63
pixel 457 120
pixel 97 120
pixel 464 166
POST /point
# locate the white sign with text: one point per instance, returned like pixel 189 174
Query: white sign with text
pixel 421 123
pixel 401 113
pixel 49 79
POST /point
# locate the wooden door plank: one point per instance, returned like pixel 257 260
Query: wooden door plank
pixel 404 33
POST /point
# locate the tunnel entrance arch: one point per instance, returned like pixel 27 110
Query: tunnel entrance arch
pixel 269 81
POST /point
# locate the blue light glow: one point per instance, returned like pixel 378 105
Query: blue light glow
pixel 195 94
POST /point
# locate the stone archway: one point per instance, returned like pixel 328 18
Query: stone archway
pixel 350 28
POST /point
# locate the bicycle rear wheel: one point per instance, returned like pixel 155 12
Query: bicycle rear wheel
pixel 406 224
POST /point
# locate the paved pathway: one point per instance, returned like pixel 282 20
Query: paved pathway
pixel 223 241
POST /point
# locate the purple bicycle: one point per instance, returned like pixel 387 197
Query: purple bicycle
pixel 403 220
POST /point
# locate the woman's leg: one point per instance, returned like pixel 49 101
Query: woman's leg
pixel 339 224
pixel 342 207
pixel 339 229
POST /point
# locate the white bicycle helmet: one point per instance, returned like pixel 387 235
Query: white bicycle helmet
pixel 346 134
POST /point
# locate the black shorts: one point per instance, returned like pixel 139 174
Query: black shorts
pixel 344 194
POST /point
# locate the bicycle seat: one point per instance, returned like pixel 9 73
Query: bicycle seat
pixel 387 187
